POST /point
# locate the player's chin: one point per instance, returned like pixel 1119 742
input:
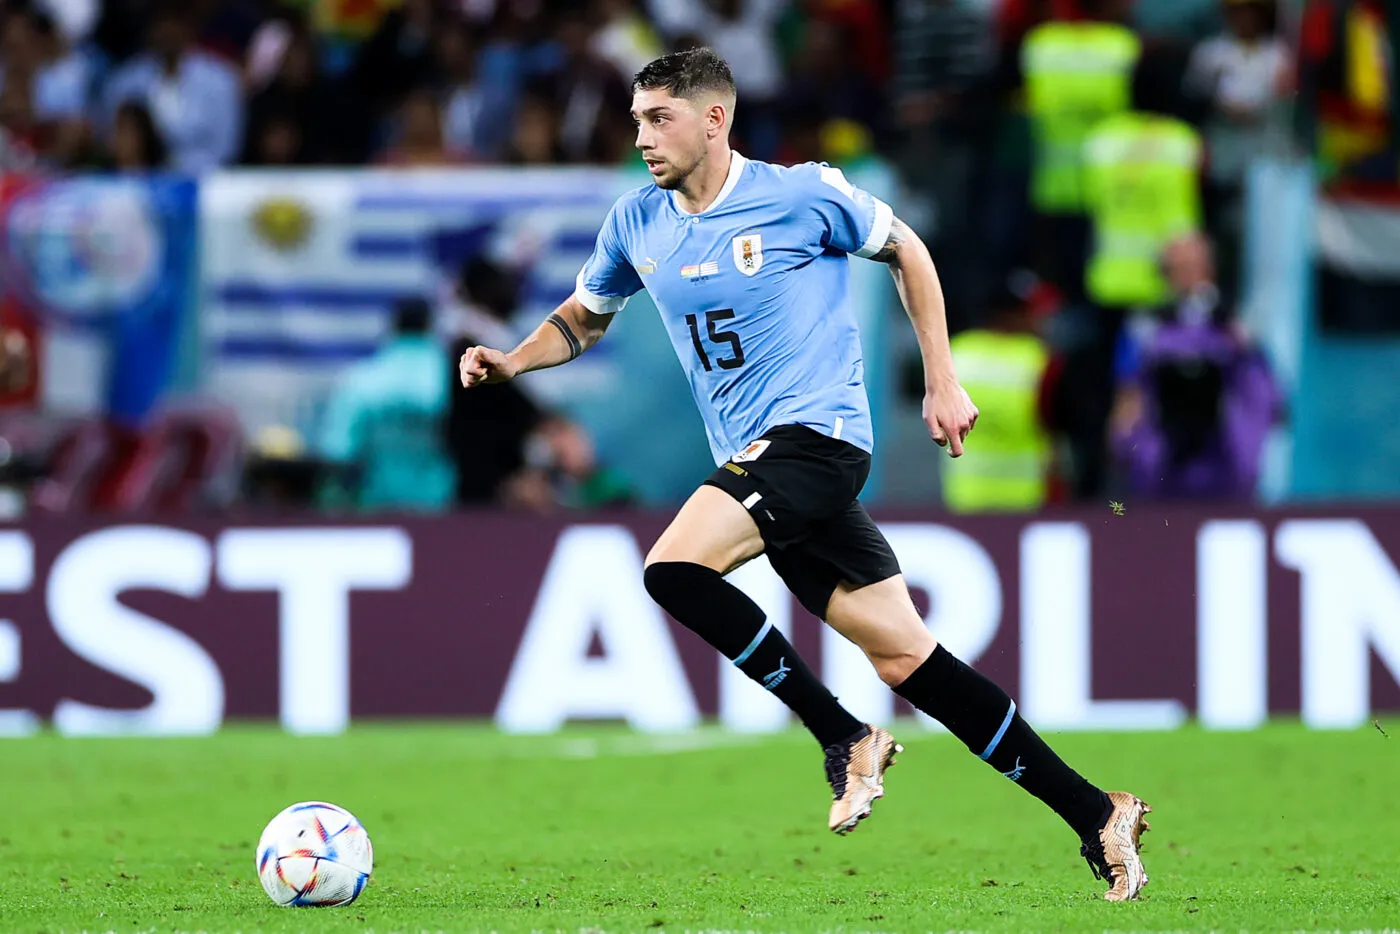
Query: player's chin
pixel 667 178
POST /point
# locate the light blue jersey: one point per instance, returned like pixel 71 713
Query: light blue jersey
pixel 754 293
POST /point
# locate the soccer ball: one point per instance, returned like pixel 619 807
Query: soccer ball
pixel 314 854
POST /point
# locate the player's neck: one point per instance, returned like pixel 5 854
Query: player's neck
pixel 704 184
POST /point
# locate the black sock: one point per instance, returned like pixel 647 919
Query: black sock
pixel 720 613
pixel 770 660
pixel 984 717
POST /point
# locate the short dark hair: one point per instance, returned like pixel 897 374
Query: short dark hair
pixel 686 74
pixel 153 146
pixel 412 315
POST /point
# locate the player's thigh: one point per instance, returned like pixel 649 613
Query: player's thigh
pixel 882 620
pixel 713 529
pixel 868 601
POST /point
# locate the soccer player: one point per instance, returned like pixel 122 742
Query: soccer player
pixel 747 264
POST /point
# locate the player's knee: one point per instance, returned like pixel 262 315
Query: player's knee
pixel 895 668
pixel 896 650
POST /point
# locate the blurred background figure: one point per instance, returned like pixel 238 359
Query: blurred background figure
pixel 396 60
pixel 590 97
pixel 54 79
pixel 137 145
pixel 195 98
pixel 625 37
pixel 417 139
pixel 1141 189
pixel 294 115
pixel 537 138
pixel 74 19
pixel 276 139
pixel 945 91
pixel 1243 77
pixel 579 480
pixel 16 361
pixel 384 426
pixel 1002 366
pixel 1196 398
pixel 21 140
pixel 281 476
pixel 742 32
pixel 464 100
pixel 508 447
pixel 19 137
pixel 488 428
pixel 826 94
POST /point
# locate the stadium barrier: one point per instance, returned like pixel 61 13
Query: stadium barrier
pixel 1095 621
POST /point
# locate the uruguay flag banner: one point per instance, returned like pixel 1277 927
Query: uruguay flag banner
pixel 301 269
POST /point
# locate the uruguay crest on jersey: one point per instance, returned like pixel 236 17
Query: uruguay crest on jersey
pixel 748 253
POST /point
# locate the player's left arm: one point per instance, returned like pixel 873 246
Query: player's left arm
pixel 560 338
pixel 948 411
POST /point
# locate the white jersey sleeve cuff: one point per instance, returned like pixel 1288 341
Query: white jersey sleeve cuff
pixel 879 231
pixel 598 304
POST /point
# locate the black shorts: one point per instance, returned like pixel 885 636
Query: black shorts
pixel 800 487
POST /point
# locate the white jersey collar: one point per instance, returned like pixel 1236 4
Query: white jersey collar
pixel 736 168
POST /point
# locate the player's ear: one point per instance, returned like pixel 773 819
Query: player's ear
pixel 717 118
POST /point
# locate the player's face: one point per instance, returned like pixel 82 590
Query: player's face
pixel 670 134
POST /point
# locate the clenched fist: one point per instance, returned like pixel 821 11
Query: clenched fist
pixel 483 365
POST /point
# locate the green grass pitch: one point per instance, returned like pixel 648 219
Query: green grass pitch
pixel 599 829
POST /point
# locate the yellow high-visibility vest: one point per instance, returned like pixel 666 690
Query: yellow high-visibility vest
pixel 1076 74
pixel 1142 183
pixel 1003 466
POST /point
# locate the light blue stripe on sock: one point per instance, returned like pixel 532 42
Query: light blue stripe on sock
pixel 767 627
pixel 1005 725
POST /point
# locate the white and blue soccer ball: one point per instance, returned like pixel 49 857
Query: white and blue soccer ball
pixel 314 854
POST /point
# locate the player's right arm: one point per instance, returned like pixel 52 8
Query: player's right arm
pixel 856 223
pixel 567 332
pixel 602 289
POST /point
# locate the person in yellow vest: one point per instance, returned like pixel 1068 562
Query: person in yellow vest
pixel 1142 189
pixel 1141 185
pixel 1076 74
pixel 1005 362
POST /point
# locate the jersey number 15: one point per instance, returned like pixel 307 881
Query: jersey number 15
pixel 732 362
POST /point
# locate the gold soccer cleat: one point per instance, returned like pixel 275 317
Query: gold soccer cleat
pixel 856 771
pixel 1114 855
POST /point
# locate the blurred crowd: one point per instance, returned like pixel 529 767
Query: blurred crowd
pixel 1078 168
pixel 197 84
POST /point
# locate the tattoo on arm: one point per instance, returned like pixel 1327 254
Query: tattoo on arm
pixel 899 233
pixel 575 348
